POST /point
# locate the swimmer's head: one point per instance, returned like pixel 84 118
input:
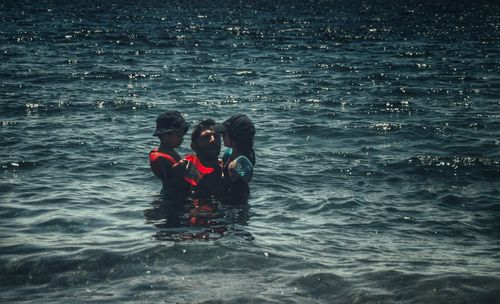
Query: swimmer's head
pixel 238 125
pixel 205 141
pixel 170 121
pixel 241 132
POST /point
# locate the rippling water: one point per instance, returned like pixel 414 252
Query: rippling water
pixel 378 159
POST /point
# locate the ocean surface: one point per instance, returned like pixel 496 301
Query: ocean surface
pixel 378 151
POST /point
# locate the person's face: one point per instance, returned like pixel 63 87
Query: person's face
pixel 174 139
pixel 207 145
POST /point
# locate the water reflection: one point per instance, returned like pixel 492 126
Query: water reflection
pixel 186 219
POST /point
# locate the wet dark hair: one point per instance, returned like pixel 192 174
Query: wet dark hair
pixel 244 144
pixel 202 126
pixel 241 131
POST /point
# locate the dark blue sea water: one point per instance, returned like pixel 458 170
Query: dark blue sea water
pixel 378 151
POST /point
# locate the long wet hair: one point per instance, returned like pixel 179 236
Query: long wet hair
pixel 244 143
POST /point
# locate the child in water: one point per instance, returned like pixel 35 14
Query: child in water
pixel 170 129
pixel 238 134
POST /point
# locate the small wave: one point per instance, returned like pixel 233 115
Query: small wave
pixel 441 288
pixel 245 73
pixel 31 107
pixel 398 106
pixel 123 104
pixel 325 286
pixel 4 123
pixel 65 225
pixel 386 127
pixel 413 54
pixel 142 75
pixel 18 165
pixel 37 106
pixel 454 165
pixel 338 67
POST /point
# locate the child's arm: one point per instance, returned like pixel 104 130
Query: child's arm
pixel 240 168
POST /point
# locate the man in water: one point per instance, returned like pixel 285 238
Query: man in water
pixel 202 172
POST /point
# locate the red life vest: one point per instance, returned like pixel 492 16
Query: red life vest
pixel 195 170
pixel 154 161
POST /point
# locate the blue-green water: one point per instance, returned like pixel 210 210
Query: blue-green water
pixel 378 160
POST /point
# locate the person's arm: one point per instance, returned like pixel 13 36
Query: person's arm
pixel 165 169
pixel 240 172
pixel 240 168
pixel 177 182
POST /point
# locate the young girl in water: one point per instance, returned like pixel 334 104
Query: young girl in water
pixel 238 134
